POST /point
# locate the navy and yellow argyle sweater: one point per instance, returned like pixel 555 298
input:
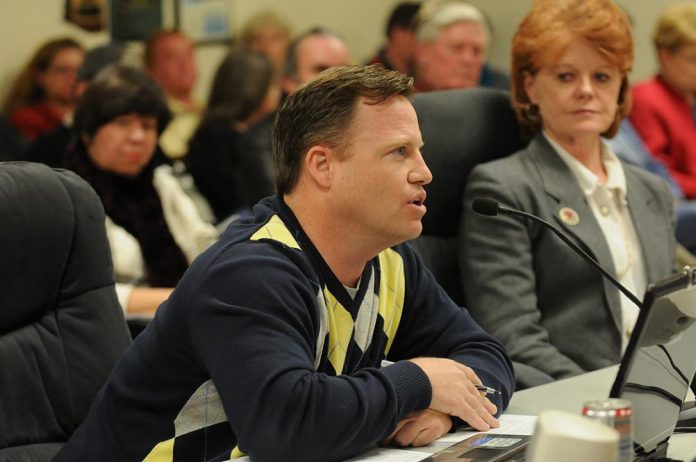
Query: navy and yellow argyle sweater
pixel 261 350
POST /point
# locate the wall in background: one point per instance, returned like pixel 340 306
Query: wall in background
pixel 25 24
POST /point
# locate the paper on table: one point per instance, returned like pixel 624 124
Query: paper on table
pixel 390 455
pixel 510 424
pixel 378 455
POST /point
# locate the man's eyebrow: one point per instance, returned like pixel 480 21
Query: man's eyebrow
pixel 403 142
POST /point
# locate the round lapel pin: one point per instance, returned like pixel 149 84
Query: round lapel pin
pixel 569 216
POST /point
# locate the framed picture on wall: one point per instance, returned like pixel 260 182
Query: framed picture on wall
pixel 134 19
pixel 204 20
pixel 87 14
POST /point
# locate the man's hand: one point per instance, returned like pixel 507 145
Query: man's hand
pixel 420 428
pixel 455 393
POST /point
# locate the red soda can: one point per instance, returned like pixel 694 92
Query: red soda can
pixel 618 414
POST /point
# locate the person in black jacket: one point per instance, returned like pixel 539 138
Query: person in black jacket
pixel 230 153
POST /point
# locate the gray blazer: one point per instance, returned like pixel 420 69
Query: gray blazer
pixel 555 313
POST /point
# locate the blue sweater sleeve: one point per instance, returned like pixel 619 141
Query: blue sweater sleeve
pixel 433 325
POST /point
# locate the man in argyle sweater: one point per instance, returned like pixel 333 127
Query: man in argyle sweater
pixel 272 343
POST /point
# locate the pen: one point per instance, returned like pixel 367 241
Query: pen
pixel 487 390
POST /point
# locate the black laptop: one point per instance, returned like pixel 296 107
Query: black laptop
pixel 659 364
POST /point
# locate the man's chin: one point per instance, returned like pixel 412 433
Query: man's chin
pixel 66 101
pixel 464 83
pixel 416 232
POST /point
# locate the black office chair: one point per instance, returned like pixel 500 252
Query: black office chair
pixel 461 129
pixel 61 327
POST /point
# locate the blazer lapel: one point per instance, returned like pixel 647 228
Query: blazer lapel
pixel 639 198
pixel 573 214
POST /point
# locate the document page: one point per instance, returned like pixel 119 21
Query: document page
pixel 509 425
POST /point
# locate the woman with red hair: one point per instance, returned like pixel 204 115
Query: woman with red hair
pixel 551 309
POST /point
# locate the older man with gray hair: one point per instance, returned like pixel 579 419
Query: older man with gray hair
pixel 453 38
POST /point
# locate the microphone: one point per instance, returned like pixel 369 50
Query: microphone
pixel 491 207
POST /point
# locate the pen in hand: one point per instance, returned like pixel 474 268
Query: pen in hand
pixel 487 390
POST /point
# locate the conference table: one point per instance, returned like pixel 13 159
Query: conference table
pixel 570 394
pixel 566 395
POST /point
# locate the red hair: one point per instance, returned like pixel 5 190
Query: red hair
pixel 548 29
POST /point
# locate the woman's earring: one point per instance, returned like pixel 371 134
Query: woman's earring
pixel 531 111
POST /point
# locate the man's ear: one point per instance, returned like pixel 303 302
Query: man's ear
pixel 422 53
pixel 664 55
pixel 318 162
pixel 288 84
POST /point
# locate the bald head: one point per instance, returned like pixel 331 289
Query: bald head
pixel 171 62
pixel 312 54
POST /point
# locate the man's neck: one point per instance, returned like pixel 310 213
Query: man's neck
pixel 186 100
pixel 420 80
pixel 346 257
pixel 401 61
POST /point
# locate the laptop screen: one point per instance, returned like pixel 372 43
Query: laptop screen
pixel 660 361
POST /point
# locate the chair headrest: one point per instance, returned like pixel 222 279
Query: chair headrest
pixel 461 129
pixel 38 228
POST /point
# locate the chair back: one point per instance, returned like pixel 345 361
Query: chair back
pixel 61 326
pixel 460 129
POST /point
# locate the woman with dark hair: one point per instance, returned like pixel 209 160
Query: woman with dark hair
pixel 154 227
pixel 43 92
pixel 553 311
pixel 230 154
